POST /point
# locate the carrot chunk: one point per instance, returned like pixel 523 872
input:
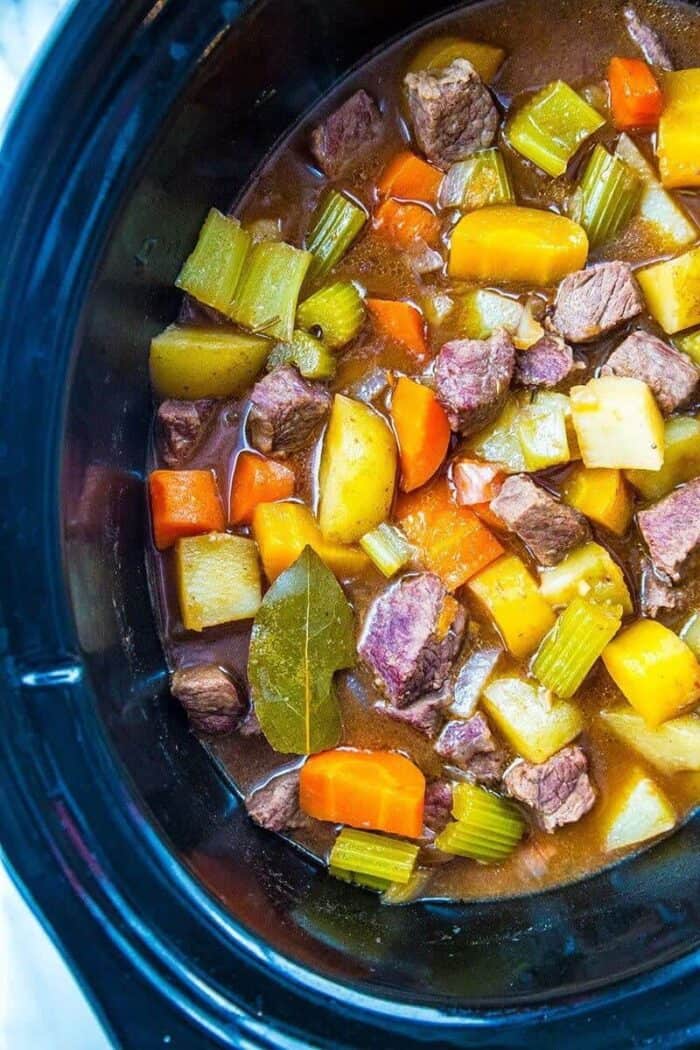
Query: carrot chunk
pixel 455 544
pixel 257 480
pixel 379 790
pixel 184 503
pixel 635 95
pixel 407 225
pixel 411 178
pixel 401 322
pixel 422 432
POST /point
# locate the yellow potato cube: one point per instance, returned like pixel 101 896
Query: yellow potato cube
pixel 601 494
pixel 672 291
pixel 588 572
pixel 510 243
pixel 534 722
pixel 189 363
pixel 441 52
pixel 618 424
pixel 639 812
pixel 511 597
pixel 681 459
pixel 218 579
pixel 673 747
pixel 654 669
pixel 678 141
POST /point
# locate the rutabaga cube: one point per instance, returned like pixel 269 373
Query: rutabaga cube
pixel 673 747
pixel 640 812
pixel 218 578
pixel 618 424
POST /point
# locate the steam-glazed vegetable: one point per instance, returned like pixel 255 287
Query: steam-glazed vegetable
pixel 424 475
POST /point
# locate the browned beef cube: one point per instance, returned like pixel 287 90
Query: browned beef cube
pixel 453 112
pixel 671 376
pixel 423 715
pixel 180 426
pixel 470 746
pixel 411 635
pixel 347 132
pixel 210 698
pixel 285 411
pixel 558 790
pixel 438 805
pixel 657 594
pixel 671 528
pixel 647 40
pixel 595 301
pixel 472 379
pixel 547 363
pixel 275 806
pixel 549 528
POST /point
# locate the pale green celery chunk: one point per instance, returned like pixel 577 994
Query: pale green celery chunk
pixel 657 206
pixel 365 853
pixel 337 224
pixel 588 572
pixel 388 548
pixel 336 310
pixel 681 459
pixel 309 355
pixel 404 893
pixel 690 633
pixel 211 273
pixel 610 192
pixel 500 442
pixel 266 301
pixel 480 180
pixel 689 343
pixel 550 127
pixel 543 436
pixel 574 644
pixel 368 882
pixel 487 827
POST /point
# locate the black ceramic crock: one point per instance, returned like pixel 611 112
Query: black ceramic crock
pixel 188 926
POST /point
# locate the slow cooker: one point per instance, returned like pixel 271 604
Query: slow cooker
pixel 187 925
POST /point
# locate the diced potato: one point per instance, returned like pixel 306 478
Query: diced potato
pixel 672 291
pixel 640 812
pixel 601 494
pixel 681 459
pixel 618 424
pixel 533 722
pixel 657 207
pixel 358 471
pixel 441 52
pixel 283 529
pixel 673 747
pixel 190 363
pixel 218 579
pixel 678 144
pixel 543 437
pixel 511 243
pixel 511 597
pixel 500 442
pixel 588 572
pixel 690 633
pixel 656 671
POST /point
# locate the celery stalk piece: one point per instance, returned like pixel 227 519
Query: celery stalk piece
pixel 405 893
pixel 368 882
pixel 477 182
pixel 656 206
pixel 588 572
pixel 551 126
pixel 482 311
pixel 487 827
pixel 499 442
pixel 266 301
pixel 681 459
pixel 610 192
pixel 212 271
pixel 309 355
pixel 543 436
pixel 388 548
pixel 574 644
pixel 690 633
pixel 689 343
pixel 337 311
pixel 337 224
pixel 365 853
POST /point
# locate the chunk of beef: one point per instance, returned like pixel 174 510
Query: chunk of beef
pixel 549 528
pixel 346 133
pixel 210 698
pixel 411 635
pixel 657 594
pixel 438 805
pixel 647 40
pixel 180 426
pixel 452 111
pixel 285 411
pixel 547 363
pixel 671 376
pixel 595 301
pixel 275 806
pixel 423 715
pixel 472 378
pixel 470 746
pixel 671 528
pixel 558 790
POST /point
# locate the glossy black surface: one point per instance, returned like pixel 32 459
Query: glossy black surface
pixel 109 805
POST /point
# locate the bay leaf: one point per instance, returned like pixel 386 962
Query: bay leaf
pixel 303 633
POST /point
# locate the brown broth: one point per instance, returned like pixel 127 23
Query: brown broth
pixel 545 40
